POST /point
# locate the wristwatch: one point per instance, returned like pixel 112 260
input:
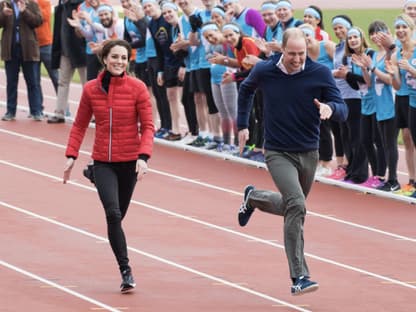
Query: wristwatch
pixel 226 61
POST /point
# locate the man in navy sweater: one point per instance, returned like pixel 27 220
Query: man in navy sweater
pixel 297 94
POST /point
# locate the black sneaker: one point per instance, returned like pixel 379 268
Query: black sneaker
pixel 245 211
pixel 127 283
pixel 389 186
pixel 303 285
pixel 56 120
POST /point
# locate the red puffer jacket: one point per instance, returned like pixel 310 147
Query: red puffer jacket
pixel 118 135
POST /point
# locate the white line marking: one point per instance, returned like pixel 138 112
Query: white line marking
pixel 214 187
pixel 154 257
pixel 57 286
pixel 220 228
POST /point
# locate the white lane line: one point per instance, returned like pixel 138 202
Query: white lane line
pixel 222 189
pixel 156 258
pixel 223 229
pixel 57 286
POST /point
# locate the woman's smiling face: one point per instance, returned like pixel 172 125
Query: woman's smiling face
pixel 116 61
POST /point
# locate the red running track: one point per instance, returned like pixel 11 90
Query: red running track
pixel 187 251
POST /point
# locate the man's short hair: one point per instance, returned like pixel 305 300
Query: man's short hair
pixel 292 33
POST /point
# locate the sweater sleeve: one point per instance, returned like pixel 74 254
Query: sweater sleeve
pixel 245 98
pixel 255 20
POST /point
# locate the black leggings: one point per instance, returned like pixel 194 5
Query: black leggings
pixel 389 133
pixel 115 184
pixel 371 139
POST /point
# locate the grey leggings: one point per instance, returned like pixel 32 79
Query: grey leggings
pixel 293 174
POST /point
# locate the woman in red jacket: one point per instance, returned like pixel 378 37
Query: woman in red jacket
pixel 123 142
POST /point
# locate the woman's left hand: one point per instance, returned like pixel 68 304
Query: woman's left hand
pixel 141 169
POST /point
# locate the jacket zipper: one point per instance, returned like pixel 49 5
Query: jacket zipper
pixel 111 128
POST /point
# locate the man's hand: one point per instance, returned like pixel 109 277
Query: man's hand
pixel 325 111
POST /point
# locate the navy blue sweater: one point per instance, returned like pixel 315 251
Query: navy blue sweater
pixel 291 119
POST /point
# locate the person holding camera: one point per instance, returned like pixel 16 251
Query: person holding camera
pixel 123 142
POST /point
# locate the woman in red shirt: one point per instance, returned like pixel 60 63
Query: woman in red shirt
pixel 122 145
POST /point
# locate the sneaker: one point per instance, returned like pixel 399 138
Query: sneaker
pixel 56 120
pixel 406 190
pixel 127 282
pixel 372 182
pixel 188 138
pixel 322 171
pixel 257 156
pixel 161 133
pixel 338 174
pixel 198 142
pixel 303 285
pixel 8 117
pixel 173 136
pixel 210 144
pixel 245 211
pixel 37 117
pixel 389 186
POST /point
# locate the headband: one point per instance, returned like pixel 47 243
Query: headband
pixel 268 6
pixel 283 4
pixel 342 21
pixel 307 31
pixel 400 22
pixel 148 1
pixel 232 27
pixel 312 12
pixel 407 2
pixel 218 11
pixel 104 7
pixel 209 27
pixel 170 5
pixel 354 31
pixel 229 1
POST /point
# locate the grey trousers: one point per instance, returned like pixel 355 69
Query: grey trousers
pixel 293 174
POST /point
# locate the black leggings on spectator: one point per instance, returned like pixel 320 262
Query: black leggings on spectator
pixel 326 148
pixel 371 139
pixel 357 169
pixel 389 133
pixel 115 184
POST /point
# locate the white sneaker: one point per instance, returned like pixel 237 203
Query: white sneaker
pixel 188 138
pixel 323 171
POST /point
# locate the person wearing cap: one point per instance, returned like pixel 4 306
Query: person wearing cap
pixel 250 20
pixel 313 16
pixel 291 124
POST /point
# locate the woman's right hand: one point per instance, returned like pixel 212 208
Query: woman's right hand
pixel 67 169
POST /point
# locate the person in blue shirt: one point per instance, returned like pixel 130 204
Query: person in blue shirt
pixel 291 125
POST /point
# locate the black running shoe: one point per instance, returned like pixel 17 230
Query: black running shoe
pixel 127 283
pixel 245 211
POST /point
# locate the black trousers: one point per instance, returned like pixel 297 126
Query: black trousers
pixel 115 184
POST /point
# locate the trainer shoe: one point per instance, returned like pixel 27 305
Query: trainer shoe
pixel 372 182
pixel 127 282
pixel 338 174
pixel 245 211
pixel 389 186
pixel 8 117
pixel 406 190
pixel 303 285
pixel 55 120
